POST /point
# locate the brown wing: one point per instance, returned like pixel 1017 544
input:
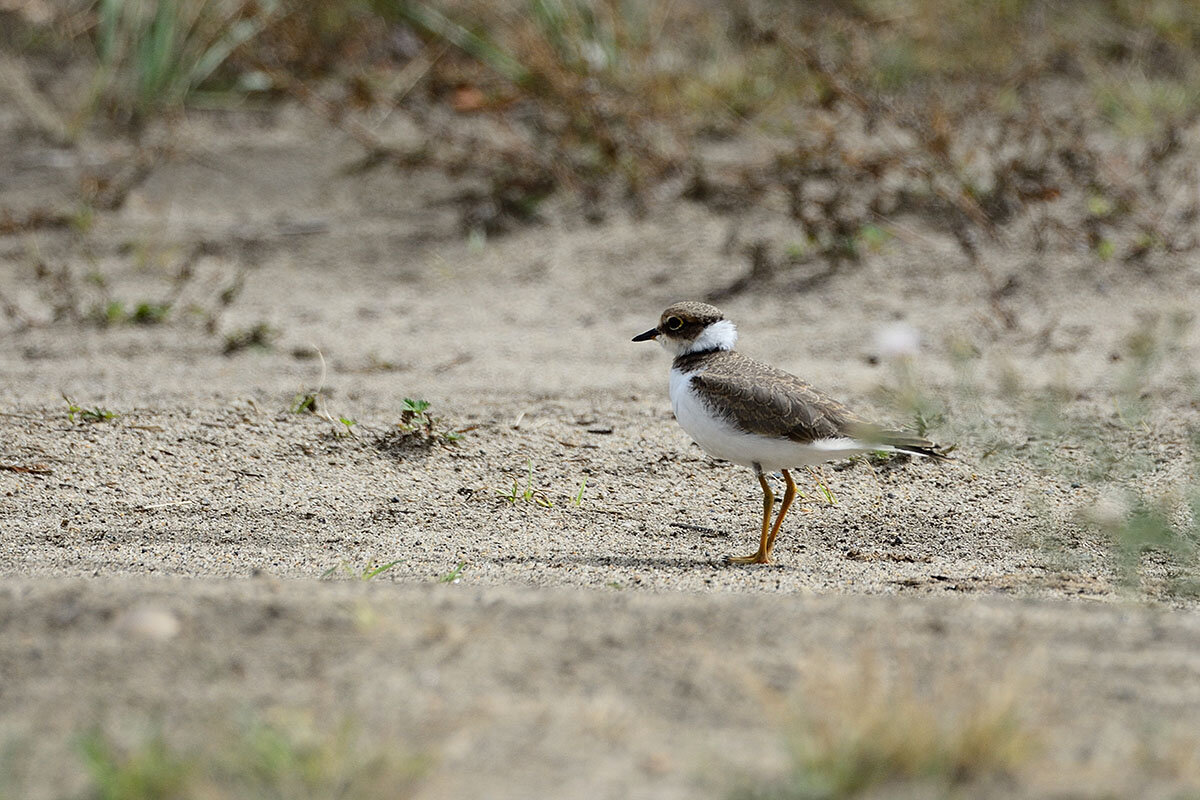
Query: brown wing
pixel 761 399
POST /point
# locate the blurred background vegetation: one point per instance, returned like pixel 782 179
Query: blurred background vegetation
pixel 1064 119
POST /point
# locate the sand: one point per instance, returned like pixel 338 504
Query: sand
pixel 199 556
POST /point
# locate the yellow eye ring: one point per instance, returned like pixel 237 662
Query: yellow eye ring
pixel 674 323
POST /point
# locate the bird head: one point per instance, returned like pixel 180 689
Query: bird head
pixel 692 327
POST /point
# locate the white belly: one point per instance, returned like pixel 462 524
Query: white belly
pixel 720 439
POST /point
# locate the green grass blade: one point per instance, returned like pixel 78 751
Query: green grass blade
pixel 434 22
pixel 238 34
pixel 369 574
pixel 109 19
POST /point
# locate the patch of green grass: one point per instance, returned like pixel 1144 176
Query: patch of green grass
pixel 416 420
pixel 288 759
pixel 578 499
pixel 529 494
pixel 151 771
pixel 115 312
pixel 297 761
pixel 872 238
pixel 1143 525
pixel 149 313
pixel 418 430
pixel 304 403
pixel 369 571
pixel 477 44
pixel 453 575
pixel 154 55
pixel 822 487
pixel 96 414
pixel 83 218
pixel 260 335
pixel 1139 107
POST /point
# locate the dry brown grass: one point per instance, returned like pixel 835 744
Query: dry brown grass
pixel 856 731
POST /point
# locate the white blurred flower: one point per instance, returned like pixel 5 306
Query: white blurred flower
pixel 1108 511
pixel 897 341
pixel 149 622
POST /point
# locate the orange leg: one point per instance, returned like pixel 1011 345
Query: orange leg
pixel 788 496
pixel 763 556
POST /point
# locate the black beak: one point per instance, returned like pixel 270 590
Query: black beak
pixel 647 336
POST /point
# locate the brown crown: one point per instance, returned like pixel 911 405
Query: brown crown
pixel 695 317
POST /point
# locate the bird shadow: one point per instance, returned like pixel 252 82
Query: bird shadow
pixel 630 562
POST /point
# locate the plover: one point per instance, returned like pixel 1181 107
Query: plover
pixel 740 410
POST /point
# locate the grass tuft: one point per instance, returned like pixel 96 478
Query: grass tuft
pixel 289 759
pixel 151 771
pixel 115 312
pixel 96 414
pixel 1154 525
pixel 304 403
pixel 154 56
pixel 259 336
pixel 530 494
pixel 418 429
pixel 367 572
pixel 853 737
pixel 454 575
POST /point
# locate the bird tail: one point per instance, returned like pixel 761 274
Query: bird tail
pixel 907 442
pixel 902 441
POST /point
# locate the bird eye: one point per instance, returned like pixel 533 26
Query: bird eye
pixel 674 323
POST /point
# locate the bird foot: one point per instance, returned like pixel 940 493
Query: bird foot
pixel 755 558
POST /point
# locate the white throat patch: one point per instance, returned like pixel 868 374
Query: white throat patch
pixel 720 335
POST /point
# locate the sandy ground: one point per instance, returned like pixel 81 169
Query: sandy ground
pixel 599 648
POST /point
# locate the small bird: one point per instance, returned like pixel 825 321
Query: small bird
pixel 753 414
